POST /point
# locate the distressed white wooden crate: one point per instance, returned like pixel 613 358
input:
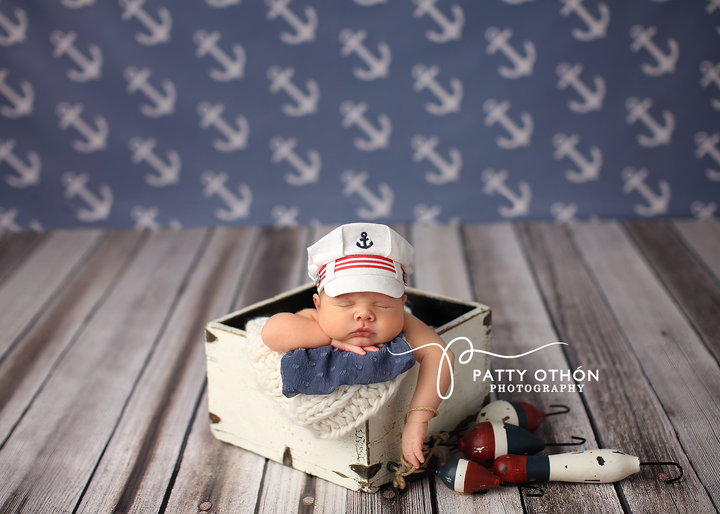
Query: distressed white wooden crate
pixel 243 415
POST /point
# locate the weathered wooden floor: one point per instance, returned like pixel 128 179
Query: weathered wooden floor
pixel 102 387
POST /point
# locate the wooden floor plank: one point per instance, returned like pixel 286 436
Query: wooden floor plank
pixel 48 460
pixel 678 366
pixel 627 415
pixel 692 285
pixel 136 469
pixel 704 239
pixel 31 360
pixel 209 469
pixel 440 260
pixel 502 279
pixel 15 247
pixel 24 294
pixel 441 268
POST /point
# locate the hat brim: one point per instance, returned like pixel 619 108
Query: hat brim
pixel 364 284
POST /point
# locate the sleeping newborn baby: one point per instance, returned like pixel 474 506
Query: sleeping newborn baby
pixel 359 326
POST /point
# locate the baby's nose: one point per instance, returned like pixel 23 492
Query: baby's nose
pixel 364 313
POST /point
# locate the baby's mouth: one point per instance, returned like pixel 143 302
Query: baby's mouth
pixel 363 332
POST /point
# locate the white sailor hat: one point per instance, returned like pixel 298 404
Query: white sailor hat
pixel 361 257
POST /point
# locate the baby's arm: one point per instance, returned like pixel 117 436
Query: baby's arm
pixel 286 331
pixel 426 391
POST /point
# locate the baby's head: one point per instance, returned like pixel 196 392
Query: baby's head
pixel 361 271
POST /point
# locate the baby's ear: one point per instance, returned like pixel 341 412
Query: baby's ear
pixel 316 300
pixel 404 298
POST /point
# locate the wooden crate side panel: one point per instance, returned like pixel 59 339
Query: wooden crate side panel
pixel 236 401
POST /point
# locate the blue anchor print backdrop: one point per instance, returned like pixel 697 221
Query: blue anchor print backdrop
pixel 153 113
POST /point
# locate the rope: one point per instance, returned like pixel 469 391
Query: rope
pixel 405 469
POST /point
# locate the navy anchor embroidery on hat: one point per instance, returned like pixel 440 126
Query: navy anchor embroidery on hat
pixel 364 240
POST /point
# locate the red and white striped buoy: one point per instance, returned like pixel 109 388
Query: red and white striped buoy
pixel 484 442
pixel 465 477
pixel 520 414
pixel 589 466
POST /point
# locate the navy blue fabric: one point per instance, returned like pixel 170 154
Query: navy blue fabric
pixel 322 370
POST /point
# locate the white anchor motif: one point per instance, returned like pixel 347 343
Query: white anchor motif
pixel 589 169
pixel 168 173
pixel 426 215
pixel 708 145
pixel 522 66
pixel 76 4
pixel 90 69
pixel 95 140
pixel 665 62
pixel 304 31
pixel 22 105
pixel 158 32
pixel 703 212
pixel 495 183
pixel 211 115
pixel 380 205
pixel 16 32
pixel 164 105
pixel 238 207
pixel 451 29
pixel 7 220
pixel 99 206
pixel 425 149
pixel 146 219
pixel 711 75
pixel 378 67
pixel 354 114
pixel 497 113
pixel 635 181
pixel 592 100
pixel 661 135
pixel 222 3
pixel 306 104
pixel 449 102
pixel 232 68
pixel 308 172
pixel 564 213
pixel 596 27
pixel 29 174
pixel 284 217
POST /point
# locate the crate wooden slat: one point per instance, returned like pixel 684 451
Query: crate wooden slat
pixel 595 342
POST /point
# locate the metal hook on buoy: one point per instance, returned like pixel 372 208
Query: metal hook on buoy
pixel 581 439
pixel 664 476
pixel 564 407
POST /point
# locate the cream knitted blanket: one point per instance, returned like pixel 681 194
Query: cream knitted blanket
pixel 328 416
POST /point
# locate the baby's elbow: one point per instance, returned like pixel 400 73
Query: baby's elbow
pixel 270 335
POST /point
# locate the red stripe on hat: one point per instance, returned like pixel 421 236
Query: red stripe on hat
pixel 365 261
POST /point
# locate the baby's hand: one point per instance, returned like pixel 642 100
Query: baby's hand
pixel 360 350
pixel 412 441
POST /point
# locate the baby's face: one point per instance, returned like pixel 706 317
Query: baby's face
pixel 361 319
